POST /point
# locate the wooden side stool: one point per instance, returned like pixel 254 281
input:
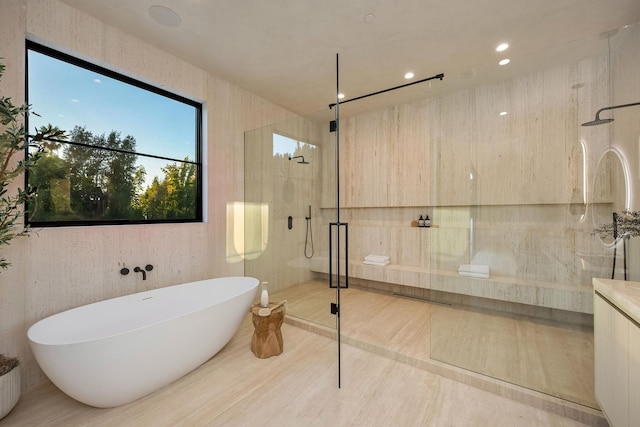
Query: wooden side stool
pixel 267 337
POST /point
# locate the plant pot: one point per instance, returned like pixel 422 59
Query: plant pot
pixel 9 391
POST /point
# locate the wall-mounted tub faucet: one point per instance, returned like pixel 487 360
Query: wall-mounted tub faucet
pixel 147 267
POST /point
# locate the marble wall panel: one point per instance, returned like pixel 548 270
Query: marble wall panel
pixel 451 146
pixel 458 150
pixel 366 147
pixel 386 157
pixel 407 171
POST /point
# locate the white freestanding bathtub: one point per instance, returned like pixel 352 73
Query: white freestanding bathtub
pixel 115 351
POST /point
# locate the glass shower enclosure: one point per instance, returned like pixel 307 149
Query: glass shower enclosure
pixel 500 283
pixel 289 203
pixel 515 251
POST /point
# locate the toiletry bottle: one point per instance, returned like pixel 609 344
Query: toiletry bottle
pixel 264 295
pixel 421 222
pixel 427 222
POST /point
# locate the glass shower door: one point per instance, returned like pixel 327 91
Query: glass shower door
pixel 519 186
pixel 283 215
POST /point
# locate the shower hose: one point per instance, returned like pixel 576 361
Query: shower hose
pixel 308 238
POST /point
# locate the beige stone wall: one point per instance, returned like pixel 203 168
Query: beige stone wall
pixel 61 268
pixel 422 154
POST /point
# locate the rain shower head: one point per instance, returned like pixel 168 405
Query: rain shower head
pixel 302 162
pixel 599 121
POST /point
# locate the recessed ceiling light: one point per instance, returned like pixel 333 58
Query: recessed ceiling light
pixel 340 95
pixel 409 75
pixel 369 18
pixel 504 61
pixel 165 16
pixel 502 47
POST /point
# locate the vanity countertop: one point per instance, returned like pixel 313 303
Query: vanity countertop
pixel 624 295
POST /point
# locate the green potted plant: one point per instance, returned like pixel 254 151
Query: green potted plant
pixel 14 141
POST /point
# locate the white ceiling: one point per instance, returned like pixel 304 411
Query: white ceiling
pixel 285 50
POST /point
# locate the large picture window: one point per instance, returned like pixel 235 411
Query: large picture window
pixel 132 154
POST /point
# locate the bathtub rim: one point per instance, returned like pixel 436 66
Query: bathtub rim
pixel 38 331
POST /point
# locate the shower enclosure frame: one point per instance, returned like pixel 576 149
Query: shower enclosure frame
pixel 335 307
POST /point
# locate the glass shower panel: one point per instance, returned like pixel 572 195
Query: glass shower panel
pixel 518 186
pixel 286 212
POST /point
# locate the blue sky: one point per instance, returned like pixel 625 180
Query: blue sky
pixel 67 96
pixel 283 145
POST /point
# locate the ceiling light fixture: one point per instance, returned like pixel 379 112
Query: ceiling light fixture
pixel 409 75
pixel 504 61
pixel 165 16
pixel 502 47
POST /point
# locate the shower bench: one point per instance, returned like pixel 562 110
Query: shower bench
pixel 561 296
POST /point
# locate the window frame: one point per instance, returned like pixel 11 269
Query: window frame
pixel 199 107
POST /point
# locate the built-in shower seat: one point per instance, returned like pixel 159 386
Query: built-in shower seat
pixel 569 297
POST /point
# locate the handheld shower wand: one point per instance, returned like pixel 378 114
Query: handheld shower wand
pixel 309 236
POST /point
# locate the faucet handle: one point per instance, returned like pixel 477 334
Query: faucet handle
pixel 148 267
pixel 124 271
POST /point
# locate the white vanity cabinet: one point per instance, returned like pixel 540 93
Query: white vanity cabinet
pixel 611 342
pixel 617 350
pixel 634 375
